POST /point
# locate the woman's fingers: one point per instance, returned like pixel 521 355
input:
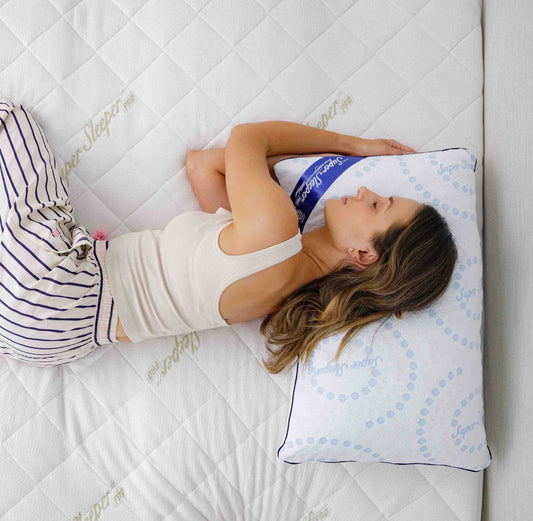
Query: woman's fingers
pixel 375 147
pixel 401 147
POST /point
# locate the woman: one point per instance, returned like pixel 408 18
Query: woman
pixel 373 257
pixel 65 292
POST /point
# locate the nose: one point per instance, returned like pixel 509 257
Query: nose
pixel 364 192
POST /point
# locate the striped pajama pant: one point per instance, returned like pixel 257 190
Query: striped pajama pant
pixel 56 304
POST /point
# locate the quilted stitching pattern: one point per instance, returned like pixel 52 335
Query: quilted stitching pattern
pixel 188 427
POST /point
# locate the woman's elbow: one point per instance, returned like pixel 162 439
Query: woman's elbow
pixel 190 160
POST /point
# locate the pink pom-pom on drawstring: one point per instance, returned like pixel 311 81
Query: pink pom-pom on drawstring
pixel 99 235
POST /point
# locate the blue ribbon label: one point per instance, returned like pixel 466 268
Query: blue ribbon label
pixel 315 181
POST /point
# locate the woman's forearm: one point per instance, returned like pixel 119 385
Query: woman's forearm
pixel 212 159
pixel 284 137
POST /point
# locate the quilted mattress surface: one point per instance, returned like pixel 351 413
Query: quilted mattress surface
pixel 188 427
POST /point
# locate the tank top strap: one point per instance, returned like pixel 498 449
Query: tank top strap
pixel 261 259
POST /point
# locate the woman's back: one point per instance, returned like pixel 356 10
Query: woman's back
pixel 190 276
pixel 257 294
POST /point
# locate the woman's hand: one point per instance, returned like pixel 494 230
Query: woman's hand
pixel 377 147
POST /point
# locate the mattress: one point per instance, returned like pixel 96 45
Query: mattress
pixel 188 427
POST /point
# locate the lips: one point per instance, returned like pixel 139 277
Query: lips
pixel 345 200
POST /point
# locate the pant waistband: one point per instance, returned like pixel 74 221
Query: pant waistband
pixel 106 314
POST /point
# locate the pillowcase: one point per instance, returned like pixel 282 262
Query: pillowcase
pixel 415 397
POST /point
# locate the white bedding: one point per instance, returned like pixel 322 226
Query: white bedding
pixel 188 427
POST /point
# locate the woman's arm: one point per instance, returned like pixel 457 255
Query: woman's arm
pixel 282 137
pixel 213 159
pixel 206 168
pixel 285 136
pixel 207 173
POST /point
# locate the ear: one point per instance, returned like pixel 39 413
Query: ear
pixel 364 258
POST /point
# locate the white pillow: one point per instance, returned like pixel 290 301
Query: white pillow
pixel 416 397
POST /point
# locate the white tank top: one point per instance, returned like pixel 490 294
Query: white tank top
pixel 169 282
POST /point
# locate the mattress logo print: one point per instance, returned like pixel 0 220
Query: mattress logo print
pixel 98 508
pixel 343 101
pixel 338 369
pixel 448 169
pixel 94 130
pixel 158 371
pixel 317 514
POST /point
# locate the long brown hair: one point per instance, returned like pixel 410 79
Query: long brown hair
pixel 414 267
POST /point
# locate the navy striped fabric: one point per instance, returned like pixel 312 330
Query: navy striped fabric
pixel 51 275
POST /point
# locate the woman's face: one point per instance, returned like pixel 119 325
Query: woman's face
pixel 353 220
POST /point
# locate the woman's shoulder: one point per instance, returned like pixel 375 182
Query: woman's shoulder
pixel 240 240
